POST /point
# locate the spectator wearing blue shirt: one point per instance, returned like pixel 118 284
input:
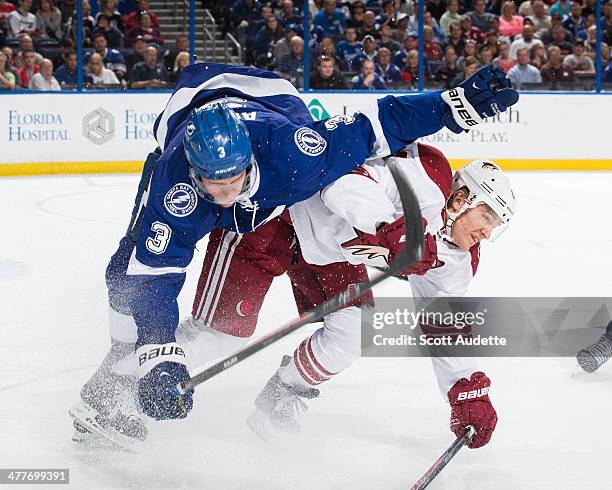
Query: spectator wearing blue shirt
pixel 112 59
pixel 265 40
pixel 368 79
pixel 410 43
pixel 331 19
pixel 389 72
pixel 369 52
pixel 348 48
pixel 289 14
pixel 523 72
pixel 575 22
pixel 66 74
pixel 292 64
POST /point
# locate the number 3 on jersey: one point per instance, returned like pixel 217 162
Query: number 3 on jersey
pixel 159 243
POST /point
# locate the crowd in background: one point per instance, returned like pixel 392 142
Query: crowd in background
pixel 123 46
pixel 353 44
pixel 373 44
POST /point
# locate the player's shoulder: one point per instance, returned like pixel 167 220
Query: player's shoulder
pixel 437 167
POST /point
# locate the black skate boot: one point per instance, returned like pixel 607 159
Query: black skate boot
pixel 278 408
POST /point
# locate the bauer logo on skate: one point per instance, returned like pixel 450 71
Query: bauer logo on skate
pixel 309 142
pixel 181 200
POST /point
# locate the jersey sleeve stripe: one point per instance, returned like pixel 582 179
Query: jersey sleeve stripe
pixel 137 268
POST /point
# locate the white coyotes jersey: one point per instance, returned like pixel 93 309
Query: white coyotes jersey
pixel 368 197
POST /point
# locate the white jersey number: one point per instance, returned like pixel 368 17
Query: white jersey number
pixel 159 243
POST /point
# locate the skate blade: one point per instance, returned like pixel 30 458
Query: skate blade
pixel 85 419
pixel 260 424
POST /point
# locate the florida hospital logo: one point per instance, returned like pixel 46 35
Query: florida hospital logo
pixel 99 126
pixel 309 141
pixel 181 200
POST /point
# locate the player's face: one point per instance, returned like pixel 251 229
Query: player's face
pixel 225 191
pixel 474 225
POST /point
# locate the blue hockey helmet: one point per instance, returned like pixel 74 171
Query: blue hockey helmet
pixel 217 143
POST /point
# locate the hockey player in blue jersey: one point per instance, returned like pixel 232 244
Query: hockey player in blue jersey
pixel 236 146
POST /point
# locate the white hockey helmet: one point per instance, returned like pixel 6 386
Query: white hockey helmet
pixel 486 183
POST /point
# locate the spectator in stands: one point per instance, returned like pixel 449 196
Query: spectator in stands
pixel 470 65
pixel 449 17
pixel 401 24
pixel 486 56
pixel 479 17
pixel 389 72
pixel 44 80
pixel 579 61
pixel 289 14
pixel 387 15
pixel 526 8
pixel 369 26
pixel 112 59
pixel 66 46
pixel 556 21
pixel 114 38
pixel 148 72
pixel 492 43
pixel 456 38
pixel 5 9
pixel 265 40
pixel 561 7
pixel 368 79
pixel 495 7
pixel 25 44
pixel 503 60
pixel 369 52
pixel 22 20
pixel 146 29
pixel 410 72
pixel 523 72
pixel 88 21
pixel 607 74
pixel 525 41
pixel 29 69
pixel 558 39
pixel 100 75
pixel 181 45
pixel 589 7
pixel 471 32
pixel 410 43
pixel 109 8
pixel 180 62
pixel 283 46
pixel 49 21
pixel 386 39
pixel 436 7
pixel 470 50
pixel 541 20
pixel 448 71
pixel 510 24
pixel 244 15
pixel 292 63
pixel 86 29
pixel 554 70
pixel 591 42
pixel 326 76
pixel 431 49
pixel 348 48
pixel 331 19
pixel 66 74
pixel 538 56
pixel 357 12
pixel 7 79
pixel 133 20
pixel 574 22
pixel 10 66
pixel 137 55
pixel 328 48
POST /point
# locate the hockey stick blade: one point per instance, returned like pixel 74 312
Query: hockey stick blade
pixel 443 460
pixel 411 252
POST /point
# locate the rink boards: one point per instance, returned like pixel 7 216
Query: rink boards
pixel 68 133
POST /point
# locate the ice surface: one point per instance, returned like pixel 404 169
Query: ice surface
pixel 379 425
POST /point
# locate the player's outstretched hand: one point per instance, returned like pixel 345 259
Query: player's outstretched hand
pixel 158 380
pixel 486 93
pixel 470 405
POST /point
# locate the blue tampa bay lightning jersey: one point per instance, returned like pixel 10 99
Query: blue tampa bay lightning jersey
pixel 295 158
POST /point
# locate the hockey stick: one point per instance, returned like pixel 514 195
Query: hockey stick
pixel 411 252
pixel 443 460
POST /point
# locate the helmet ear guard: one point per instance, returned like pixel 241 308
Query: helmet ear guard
pixel 484 182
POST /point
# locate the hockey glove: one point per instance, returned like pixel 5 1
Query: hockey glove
pixel 486 93
pixel 470 405
pixel 161 367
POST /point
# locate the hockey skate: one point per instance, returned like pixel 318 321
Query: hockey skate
pixel 595 355
pixel 109 411
pixel 279 407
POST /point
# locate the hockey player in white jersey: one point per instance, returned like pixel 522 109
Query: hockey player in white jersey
pixel 355 221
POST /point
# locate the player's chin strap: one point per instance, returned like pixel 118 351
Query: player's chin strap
pixel 451 217
pixel 249 186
